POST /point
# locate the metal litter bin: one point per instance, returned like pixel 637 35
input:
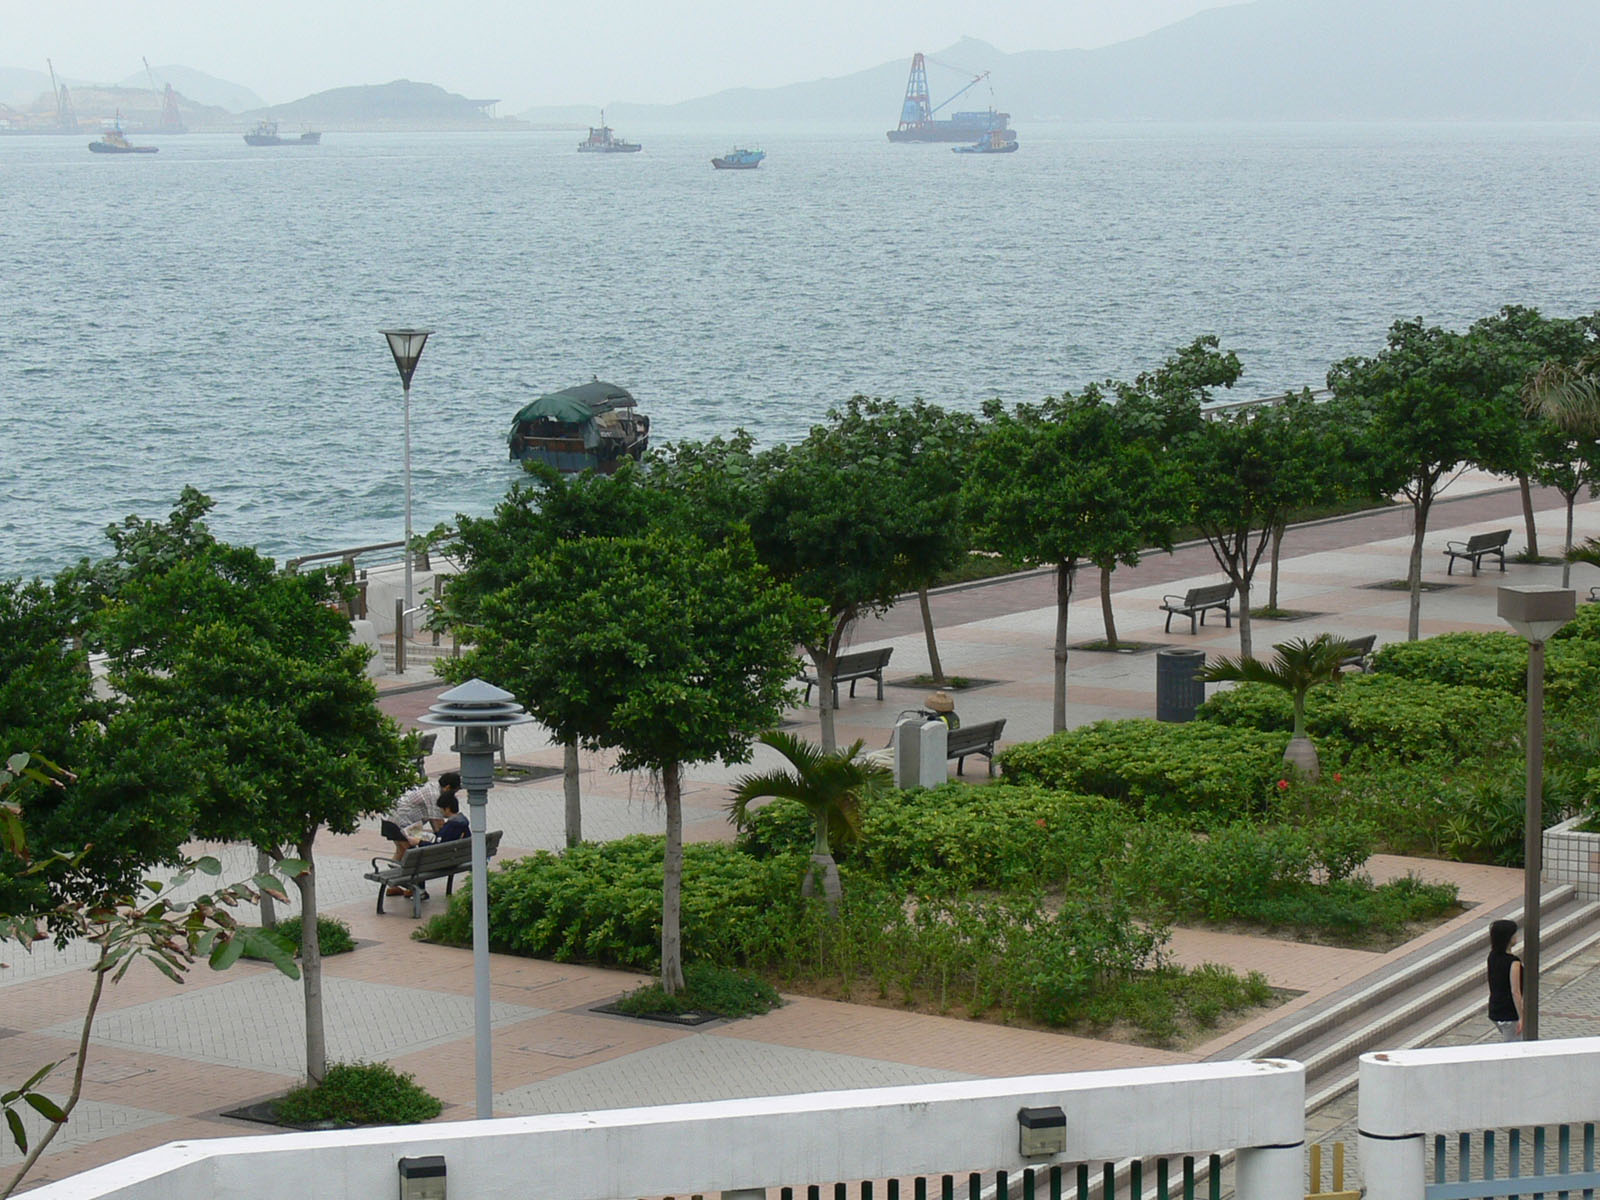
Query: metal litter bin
pixel 1178 692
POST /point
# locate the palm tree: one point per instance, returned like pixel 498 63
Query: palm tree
pixel 1568 396
pixel 831 784
pixel 1299 666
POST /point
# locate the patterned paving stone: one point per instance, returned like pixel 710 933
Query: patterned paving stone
pixel 258 1022
pixel 91 1121
pixel 709 1068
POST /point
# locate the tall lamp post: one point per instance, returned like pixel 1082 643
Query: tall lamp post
pixel 1536 613
pixel 480 713
pixel 406 346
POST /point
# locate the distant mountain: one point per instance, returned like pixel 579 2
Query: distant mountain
pixel 199 87
pixel 1267 60
pixel 398 105
pixel 20 87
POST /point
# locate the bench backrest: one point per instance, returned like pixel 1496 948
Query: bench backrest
pixel 1360 645
pixel 1213 593
pixel 1488 541
pixel 980 733
pixel 438 855
pixel 863 660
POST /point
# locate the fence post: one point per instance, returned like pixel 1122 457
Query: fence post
pixel 400 636
pixel 438 593
pixel 1272 1173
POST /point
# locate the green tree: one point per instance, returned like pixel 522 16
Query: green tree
pixel 1566 398
pixel 254 669
pixel 1298 667
pixel 1433 403
pixel 918 452
pixel 831 787
pixel 663 646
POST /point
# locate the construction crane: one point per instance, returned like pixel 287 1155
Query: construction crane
pixel 171 119
pixel 66 119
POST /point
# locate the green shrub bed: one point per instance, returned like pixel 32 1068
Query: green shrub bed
pixel 1199 771
pixel 359 1093
pixel 1499 662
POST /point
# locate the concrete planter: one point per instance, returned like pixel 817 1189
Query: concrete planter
pixel 1573 857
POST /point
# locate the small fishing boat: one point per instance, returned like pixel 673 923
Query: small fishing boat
pixel 995 141
pixel 591 427
pixel 112 141
pixel 739 159
pixel 602 141
pixel 266 134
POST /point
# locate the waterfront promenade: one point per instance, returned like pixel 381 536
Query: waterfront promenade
pixel 166 1062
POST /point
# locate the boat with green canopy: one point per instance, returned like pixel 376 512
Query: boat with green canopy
pixel 591 427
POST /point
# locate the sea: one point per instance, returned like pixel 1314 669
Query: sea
pixel 209 315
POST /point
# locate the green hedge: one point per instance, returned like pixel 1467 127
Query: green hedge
pixel 1199 771
pixel 1406 719
pixel 1499 662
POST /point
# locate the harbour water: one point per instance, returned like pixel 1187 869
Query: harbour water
pixel 208 315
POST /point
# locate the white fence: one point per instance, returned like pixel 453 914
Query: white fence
pixel 1254 1108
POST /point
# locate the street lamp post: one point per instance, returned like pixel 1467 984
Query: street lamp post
pixel 1536 613
pixel 480 713
pixel 406 346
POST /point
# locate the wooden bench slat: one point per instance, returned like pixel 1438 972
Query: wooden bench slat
pixel 978 738
pixel 1477 548
pixel 420 864
pixel 1196 601
pixel 850 668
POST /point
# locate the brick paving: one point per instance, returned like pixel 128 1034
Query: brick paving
pixel 167 1061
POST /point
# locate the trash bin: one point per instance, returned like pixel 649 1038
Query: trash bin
pixel 1178 692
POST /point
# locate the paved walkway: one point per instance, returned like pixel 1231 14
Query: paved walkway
pixel 166 1061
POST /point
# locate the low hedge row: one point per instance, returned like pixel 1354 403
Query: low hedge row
pixel 1499 662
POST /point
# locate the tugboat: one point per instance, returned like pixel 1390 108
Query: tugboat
pixel 995 141
pixel 739 160
pixel 266 134
pixel 591 427
pixel 601 141
pixel 113 142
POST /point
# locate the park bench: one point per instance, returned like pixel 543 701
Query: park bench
pixel 863 664
pixel 1477 548
pixel 435 860
pixel 978 738
pixel 1359 653
pixel 1194 603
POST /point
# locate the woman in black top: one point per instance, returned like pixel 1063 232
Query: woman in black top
pixel 1505 982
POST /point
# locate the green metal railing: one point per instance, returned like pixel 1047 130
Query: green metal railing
pixel 1175 1179
pixel 1525 1168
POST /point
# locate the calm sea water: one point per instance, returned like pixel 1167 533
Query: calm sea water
pixel 209 315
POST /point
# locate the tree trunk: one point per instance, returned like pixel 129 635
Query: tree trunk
pixel 672 885
pixel 823 662
pixel 269 913
pixel 823 871
pixel 1106 612
pixel 1414 571
pixel 1246 633
pixel 1566 560
pixel 935 667
pixel 1301 754
pixel 1064 574
pixel 1277 551
pixel 1527 515
pixel 569 784
pixel 311 969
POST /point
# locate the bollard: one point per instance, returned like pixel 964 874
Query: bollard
pixel 932 759
pixel 907 751
pixel 400 636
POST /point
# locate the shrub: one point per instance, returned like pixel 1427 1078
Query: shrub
pixel 333 936
pixel 706 988
pixel 359 1093
pixel 1406 719
pixel 602 903
pixel 1201 771
pixel 783 827
pixel 1499 662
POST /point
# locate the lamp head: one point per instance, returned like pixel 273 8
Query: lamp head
pixel 1537 612
pixel 406 346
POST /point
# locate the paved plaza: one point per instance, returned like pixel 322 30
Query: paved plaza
pixel 166 1061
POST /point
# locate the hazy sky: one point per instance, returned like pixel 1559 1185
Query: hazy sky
pixel 539 52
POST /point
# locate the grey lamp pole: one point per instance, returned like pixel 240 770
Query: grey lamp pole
pixel 480 713
pixel 1536 613
pixel 406 346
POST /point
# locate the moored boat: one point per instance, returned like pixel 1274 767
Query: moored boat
pixel 739 159
pixel 112 141
pixel 995 141
pixel 602 141
pixel 591 427
pixel 266 134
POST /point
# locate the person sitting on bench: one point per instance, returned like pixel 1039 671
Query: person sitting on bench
pixel 455 826
pixel 419 806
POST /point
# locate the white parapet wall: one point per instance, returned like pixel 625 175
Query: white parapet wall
pixel 1406 1095
pixel 1256 1108
pixel 1573 857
